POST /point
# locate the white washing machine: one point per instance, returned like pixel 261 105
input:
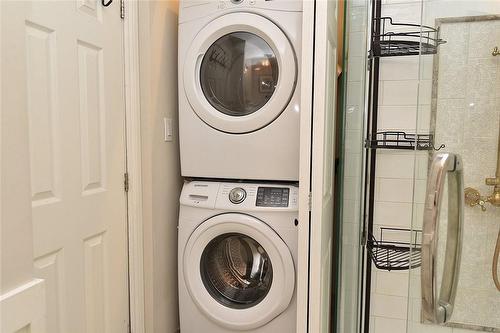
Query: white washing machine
pixel 239 89
pixel 237 249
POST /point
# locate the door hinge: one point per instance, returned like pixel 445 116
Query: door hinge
pixel 364 233
pixel 122 9
pixel 126 184
pixel 309 203
pixel 363 238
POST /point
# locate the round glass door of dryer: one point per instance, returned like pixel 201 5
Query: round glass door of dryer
pixel 240 73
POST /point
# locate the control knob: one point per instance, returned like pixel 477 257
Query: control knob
pixel 237 195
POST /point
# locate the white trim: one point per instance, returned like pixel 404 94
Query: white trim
pixel 23 306
pixel 305 165
pixel 133 130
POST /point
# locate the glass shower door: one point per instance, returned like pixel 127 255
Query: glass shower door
pixel 455 290
pixel 347 303
pixel 432 214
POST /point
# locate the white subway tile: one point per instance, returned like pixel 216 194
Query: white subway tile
pixel 424 118
pixel 399 93
pixel 403 12
pixel 354 117
pixel 389 306
pixel 399 68
pixel 357 44
pixel 420 190
pixel 356 70
pixel 397 117
pixel 425 92
pixel 352 189
pixel 395 166
pixel 354 93
pixel 389 325
pixel 394 214
pixel 352 166
pixel 394 190
pixel 392 283
pixel 357 18
pixel 353 141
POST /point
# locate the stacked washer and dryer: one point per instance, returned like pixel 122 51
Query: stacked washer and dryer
pixel 239 141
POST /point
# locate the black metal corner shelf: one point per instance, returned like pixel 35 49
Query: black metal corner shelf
pixel 393 255
pixel 402 140
pixel 390 39
pixel 403 39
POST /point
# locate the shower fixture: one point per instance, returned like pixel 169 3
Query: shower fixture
pixel 474 198
pixel 496 52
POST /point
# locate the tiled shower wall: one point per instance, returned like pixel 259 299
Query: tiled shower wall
pixel 405 89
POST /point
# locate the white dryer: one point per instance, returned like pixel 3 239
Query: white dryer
pixel 239 88
pixel 237 249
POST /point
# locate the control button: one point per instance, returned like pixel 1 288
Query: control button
pixel 237 195
pixel 252 2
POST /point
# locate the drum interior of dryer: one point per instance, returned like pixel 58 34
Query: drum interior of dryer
pixel 239 74
pixel 236 270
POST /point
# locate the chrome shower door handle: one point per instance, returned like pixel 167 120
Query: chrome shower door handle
pixel 437 306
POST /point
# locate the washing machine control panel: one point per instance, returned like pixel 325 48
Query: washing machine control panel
pixel 272 196
pixel 240 196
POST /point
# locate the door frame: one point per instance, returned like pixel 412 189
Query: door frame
pixel 309 308
pixel 133 166
pixel 306 105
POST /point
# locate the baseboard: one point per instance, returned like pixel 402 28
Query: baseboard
pixel 24 308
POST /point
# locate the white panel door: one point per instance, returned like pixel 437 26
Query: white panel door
pixel 65 60
pixel 322 165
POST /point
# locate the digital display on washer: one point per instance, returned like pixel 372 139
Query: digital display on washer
pixel 272 197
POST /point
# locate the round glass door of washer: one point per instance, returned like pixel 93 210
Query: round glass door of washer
pixel 238 271
pixel 240 73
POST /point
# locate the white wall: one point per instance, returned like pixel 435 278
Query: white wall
pixel 161 169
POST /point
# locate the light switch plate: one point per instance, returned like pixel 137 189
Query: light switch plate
pixel 167 126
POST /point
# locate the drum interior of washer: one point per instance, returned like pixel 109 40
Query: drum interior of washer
pixel 236 270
